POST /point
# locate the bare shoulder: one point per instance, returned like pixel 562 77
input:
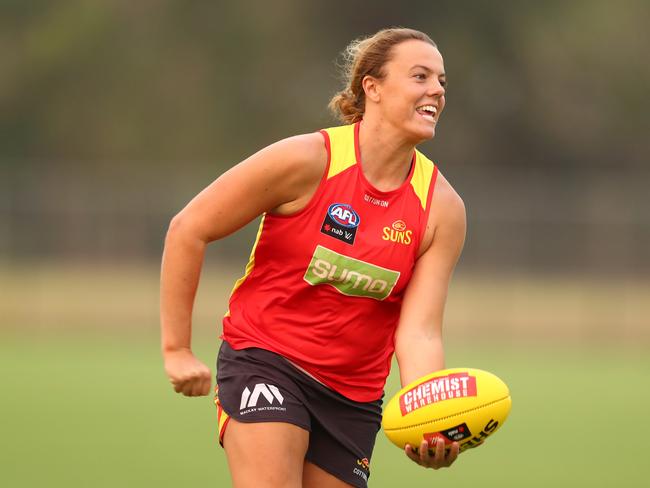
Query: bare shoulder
pixel 304 156
pixel 280 178
pixel 447 217
pixel 446 202
pixel 297 164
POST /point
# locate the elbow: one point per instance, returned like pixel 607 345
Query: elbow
pixel 175 227
pixel 176 224
pixel 181 228
pixel 409 341
pixel 189 227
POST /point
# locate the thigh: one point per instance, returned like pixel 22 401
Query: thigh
pixel 342 436
pixel 341 455
pixel 265 454
pixel 263 422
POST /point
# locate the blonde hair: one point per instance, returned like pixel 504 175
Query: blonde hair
pixel 363 57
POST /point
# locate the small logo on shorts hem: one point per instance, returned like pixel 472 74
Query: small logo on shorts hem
pixel 249 399
pixel 362 469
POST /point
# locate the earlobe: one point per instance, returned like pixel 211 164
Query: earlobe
pixel 371 88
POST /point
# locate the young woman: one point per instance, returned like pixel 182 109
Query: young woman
pixel 358 241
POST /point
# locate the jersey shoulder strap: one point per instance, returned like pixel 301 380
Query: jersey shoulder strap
pixel 424 179
pixel 341 148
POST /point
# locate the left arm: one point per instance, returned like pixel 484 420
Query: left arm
pixel 418 338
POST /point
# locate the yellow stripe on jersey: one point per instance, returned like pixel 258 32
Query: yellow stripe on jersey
pixel 341 149
pixel 251 262
pixel 421 180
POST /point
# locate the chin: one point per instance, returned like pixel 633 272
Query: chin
pixel 422 134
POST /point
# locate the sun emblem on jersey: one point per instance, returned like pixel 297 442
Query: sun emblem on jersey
pixel 398 232
pixel 399 225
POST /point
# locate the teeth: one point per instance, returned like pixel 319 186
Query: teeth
pixel 428 108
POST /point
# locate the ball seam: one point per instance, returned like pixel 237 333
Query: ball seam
pixel 448 416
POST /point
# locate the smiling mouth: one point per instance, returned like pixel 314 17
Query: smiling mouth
pixel 428 112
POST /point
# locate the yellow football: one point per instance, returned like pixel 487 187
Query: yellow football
pixel 461 404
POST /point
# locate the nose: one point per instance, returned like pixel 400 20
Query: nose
pixel 436 89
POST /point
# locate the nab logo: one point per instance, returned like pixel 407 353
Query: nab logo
pixel 341 222
pixel 269 392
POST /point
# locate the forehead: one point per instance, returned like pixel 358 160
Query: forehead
pixel 412 53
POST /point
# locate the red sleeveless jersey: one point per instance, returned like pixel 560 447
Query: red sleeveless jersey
pixel 324 286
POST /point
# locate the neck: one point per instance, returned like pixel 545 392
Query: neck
pixel 385 155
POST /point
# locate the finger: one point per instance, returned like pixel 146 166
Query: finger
pixel 207 386
pixel 188 386
pixel 195 389
pixel 453 453
pixel 440 452
pixel 193 383
pixel 201 383
pixel 411 455
pixel 201 386
pixel 424 453
pixel 177 384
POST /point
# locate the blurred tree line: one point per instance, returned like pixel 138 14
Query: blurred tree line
pixel 114 113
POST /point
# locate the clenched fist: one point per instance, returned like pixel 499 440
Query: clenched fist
pixel 186 373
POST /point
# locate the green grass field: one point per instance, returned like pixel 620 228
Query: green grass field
pixel 91 410
pixel 85 402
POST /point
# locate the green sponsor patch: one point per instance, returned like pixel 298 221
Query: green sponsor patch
pixel 350 276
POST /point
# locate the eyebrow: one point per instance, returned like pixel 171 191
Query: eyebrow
pixel 428 70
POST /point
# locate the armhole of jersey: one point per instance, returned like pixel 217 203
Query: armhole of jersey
pixel 432 186
pixel 328 147
pixel 321 184
pixel 427 210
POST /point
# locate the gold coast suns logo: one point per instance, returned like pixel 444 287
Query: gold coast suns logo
pixel 398 233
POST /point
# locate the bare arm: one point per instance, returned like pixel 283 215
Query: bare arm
pixel 281 178
pixel 418 339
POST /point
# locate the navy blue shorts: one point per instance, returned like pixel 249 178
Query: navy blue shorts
pixel 255 385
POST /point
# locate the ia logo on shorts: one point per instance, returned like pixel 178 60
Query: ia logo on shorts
pixel 270 392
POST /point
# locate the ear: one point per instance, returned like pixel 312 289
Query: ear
pixel 371 88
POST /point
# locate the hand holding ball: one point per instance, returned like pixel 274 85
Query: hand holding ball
pixel 462 404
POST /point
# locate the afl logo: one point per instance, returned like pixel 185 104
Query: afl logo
pixel 341 222
pixel 343 214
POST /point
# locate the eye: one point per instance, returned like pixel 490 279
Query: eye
pixel 420 76
pixel 443 83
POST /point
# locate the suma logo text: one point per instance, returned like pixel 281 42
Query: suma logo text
pixel 350 276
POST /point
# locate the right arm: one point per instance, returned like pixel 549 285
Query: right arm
pixel 279 178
